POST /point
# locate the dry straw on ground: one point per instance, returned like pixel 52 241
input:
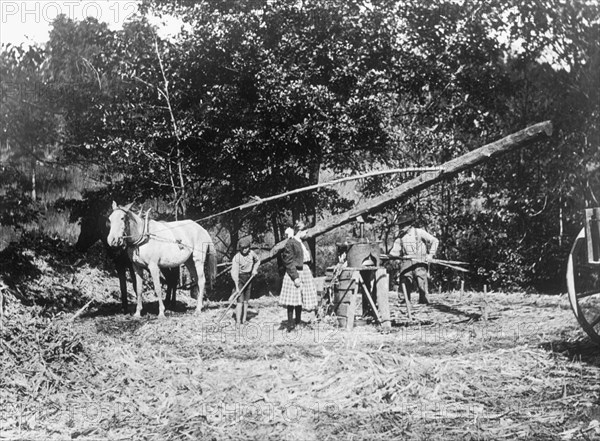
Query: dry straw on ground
pixel 524 370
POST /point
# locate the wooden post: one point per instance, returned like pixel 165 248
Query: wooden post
pixel 352 304
pixel 343 295
pixel 382 281
pixel 592 234
pixel 407 301
pixel 485 304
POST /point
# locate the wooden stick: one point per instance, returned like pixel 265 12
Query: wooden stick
pixel 237 294
pixel 382 283
pixel 485 304
pixel 434 261
pixel 78 313
pixel 352 307
pixel 370 298
pixel 456 268
pixel 258 201
pixel 451 262
pixel 406 301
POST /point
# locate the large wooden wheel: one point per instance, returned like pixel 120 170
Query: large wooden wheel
pixel 583 284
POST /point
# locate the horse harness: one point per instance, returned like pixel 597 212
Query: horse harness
pixel 145 236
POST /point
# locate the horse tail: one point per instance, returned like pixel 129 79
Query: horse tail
pixel 211 257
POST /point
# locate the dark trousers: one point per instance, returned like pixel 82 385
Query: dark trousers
pixel 416 278
pixel 242 279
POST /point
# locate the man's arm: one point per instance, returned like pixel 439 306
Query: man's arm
pixel 431 241
pixel 235 271
pixel 395 251
pixel 255 263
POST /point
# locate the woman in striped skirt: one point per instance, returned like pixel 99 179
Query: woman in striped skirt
pixel 298 290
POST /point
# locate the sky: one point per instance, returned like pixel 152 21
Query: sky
pixel 30 21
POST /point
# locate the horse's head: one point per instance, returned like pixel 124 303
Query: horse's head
pixel 92 230
pixel 119 225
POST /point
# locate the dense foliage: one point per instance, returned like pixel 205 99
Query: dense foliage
pixel 256 98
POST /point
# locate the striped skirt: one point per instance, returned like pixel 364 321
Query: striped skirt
pixel 305 296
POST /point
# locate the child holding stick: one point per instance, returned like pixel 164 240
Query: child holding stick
pixel 244 266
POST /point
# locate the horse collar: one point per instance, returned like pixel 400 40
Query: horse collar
pixel 145 234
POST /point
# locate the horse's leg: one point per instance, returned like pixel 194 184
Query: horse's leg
pixel 171 279
pixel 155 273
pixel 165 273
pixel 173 282
pixel 194 293
pixel 138 285
pixel 132 274
pixel 201 279
pixel 122 274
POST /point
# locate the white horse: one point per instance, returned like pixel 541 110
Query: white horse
pixel 152 245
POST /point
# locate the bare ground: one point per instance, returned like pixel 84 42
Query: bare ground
pixel 518 368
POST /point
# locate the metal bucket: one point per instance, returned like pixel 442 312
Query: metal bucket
pixel 364 253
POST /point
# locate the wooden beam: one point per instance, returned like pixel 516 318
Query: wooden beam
pixel 448 169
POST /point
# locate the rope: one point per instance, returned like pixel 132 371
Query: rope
pixel 258 201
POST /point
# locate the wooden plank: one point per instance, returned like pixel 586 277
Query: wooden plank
pixel 351 311
pixel 592 234
pixel 382 281
pixel 413 186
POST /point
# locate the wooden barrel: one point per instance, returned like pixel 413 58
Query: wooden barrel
pixel 343 292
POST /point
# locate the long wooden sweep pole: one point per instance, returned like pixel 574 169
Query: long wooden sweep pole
pixel 448 169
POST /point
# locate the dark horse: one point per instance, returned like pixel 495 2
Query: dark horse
pixel 95 229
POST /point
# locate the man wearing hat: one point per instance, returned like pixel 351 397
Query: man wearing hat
pixel 243 266
pixel 415 247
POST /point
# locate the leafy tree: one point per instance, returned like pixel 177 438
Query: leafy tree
pixel 256 98
pixel 28 130
pixel 491 69
pixel 261 100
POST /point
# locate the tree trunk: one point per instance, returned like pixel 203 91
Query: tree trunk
pixel 275 224
pixel 448 169
pixel 313 179
pixel 33 181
